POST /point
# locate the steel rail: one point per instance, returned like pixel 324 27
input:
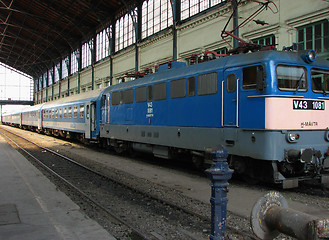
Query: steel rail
pixel 77 189
pixel 163 201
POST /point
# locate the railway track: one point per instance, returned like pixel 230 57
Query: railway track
pixel 129 213
pixel 166 209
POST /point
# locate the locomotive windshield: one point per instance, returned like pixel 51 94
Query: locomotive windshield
pixel 291 78
pixel 320 81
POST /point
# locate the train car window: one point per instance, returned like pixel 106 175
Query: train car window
pixel 115 98
pixel 160 92
pixel 129 96
pixel 149 93
pixel 82 111
pixel 231 83
pixel 56 113
pixel 60 113
pixel 70 112
pixel 320 81
pixel 178 88
pixel 291 78
pixel 250 77
pixel 65 113
pixel 207 83
pixel 52 113
pixel 44 114
pixel 141 94
pixel 75 111
pixel 191 82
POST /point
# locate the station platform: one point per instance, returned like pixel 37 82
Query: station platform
pixel 32 208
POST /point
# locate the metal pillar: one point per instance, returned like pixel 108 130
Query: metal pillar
pixel 235 23
pixel 176 9
pixel 219 173
pixel 271 215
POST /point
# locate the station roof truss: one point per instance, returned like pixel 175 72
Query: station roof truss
pixel 35 34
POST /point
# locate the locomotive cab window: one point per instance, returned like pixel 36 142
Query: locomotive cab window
pixel 291 78
pixel 250 76
pixel 320 81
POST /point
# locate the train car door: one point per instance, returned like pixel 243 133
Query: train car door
pixel 40 118
pixel 230 97
pixel 87 121
pixel 93 117
pixel 90 119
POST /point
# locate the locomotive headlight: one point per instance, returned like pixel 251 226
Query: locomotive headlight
pixel 326 136
pixel 292 137
pixel 309 56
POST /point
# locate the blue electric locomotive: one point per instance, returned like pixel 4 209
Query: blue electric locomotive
pixel 268 108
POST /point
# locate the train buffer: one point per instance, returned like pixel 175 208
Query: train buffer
pixel 271 216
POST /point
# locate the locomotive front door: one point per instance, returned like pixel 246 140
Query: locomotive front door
pixel 230 97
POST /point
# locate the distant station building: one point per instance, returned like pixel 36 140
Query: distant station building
pixel 73 48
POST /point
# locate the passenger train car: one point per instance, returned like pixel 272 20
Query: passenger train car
pixel 268 108
pixel 74 116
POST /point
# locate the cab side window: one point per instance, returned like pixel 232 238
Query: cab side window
pixel 250 75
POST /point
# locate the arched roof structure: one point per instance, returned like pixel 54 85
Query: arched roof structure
pixel 34 34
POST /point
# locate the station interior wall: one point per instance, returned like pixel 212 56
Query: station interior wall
pixel 198 34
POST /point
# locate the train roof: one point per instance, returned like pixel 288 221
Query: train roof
pixel 32 108
pixel 25 109
pixel 182 71
pixel 275 56
pixel 77 98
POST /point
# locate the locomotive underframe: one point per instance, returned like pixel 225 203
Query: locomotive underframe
pixel 272 163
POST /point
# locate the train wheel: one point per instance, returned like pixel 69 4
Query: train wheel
pixel 198 162
pixel 250 179
pixel 119 149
